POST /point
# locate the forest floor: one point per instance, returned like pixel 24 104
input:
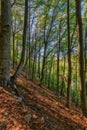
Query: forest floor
pixel 37 108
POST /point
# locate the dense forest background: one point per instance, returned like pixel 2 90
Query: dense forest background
pixel 47 39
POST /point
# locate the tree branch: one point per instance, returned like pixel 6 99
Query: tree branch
pixel 13 3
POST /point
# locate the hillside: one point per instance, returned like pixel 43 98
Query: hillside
pixel 37 108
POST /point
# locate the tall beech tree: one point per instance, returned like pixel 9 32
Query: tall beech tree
pixel 81 59
pixel 5 35
pixel 69 56
pixel 58 56
pixel 21 63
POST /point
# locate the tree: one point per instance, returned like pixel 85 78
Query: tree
pixel 69 57
pixel 5 35
pixel 21 63
pixel 58 56
pixel 81 59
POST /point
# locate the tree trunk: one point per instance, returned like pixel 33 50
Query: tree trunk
pixel 44 55
pixel 81 59
pixel 39 56
pixel 13 50
pixel 69 58
pixel 58 58
pixel 5 35
pixel 63 82
pixel 86 51
pixel 44 62
pixel 50 70
pixel 34 62
pixel 29 63
pixel 21 64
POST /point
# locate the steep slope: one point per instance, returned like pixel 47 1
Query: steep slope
pixel 36 109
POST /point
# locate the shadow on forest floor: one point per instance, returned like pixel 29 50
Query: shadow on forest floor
pixel 36 109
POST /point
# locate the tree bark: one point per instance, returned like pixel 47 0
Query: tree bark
pixel 21 63
pixel 58 57
pixel 5 35
pixel 81 58
pixel 69 58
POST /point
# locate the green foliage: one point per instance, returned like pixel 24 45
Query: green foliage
pixel 47 21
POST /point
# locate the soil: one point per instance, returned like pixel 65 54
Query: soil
pixel 37 108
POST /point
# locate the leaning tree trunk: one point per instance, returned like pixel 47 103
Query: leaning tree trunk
pixel 50 70
pixel 21 63
pixel 81 58
pixel 5 35
pixel 39 57
pixel 86 51
pixel 69 58
pixel 44 55
pixel 58 58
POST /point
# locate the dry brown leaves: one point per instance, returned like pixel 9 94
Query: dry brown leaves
pixel 37 109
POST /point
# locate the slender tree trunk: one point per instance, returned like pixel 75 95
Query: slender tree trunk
pixel 53 76
pixel 44 55
pixel 34 63
pixel 21 63
pixel 69 58
pixel 86 51
pixel 81 58
pixel 63 81
pixel 39 56
pixel 13 37
pixel 13 50
pixel 58 60
pixel 44 61
pixel 29 46
pixel 5 35
pixel 17 46
pixel 76 80
pixel 50 70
